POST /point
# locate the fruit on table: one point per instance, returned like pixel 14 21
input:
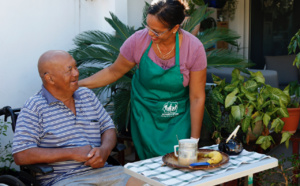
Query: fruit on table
pixel 215 157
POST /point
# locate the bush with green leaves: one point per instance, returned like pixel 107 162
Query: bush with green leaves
pixel 6 158
pixel 293 92
pixel 246 101
pixel 285 174
pixel 294 46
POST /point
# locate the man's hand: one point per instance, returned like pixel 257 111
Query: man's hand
pixel 98 157
pixel 81 153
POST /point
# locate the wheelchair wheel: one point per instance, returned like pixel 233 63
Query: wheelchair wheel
pixel 10 180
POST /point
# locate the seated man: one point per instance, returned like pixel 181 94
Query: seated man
pixel 67 127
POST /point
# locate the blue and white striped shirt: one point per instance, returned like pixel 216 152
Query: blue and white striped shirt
pixel 46 122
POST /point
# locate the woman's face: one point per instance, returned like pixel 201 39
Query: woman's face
pixel 157 30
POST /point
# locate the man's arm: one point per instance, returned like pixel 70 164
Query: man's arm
pixel 51 155
pixel 100 154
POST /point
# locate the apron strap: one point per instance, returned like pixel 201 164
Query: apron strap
pixel 177 50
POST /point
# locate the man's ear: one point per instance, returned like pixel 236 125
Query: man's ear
pixel 48 79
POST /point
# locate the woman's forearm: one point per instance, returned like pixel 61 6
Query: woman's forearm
pixel 108 75
pixel 100 79
pixel 197 101
pixel 197 112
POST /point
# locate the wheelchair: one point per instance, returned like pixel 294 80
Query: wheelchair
pixel 27 173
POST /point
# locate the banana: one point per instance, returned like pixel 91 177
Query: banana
pixel 215 157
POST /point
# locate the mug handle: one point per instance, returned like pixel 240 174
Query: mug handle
pixel 175 152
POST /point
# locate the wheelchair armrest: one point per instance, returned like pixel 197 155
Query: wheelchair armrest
pixel 119 147
pixel 39 168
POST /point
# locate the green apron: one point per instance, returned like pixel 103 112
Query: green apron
pixel 160 107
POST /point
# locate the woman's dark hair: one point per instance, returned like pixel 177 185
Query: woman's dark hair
pixel 169 12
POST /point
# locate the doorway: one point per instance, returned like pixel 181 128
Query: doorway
pixel 272 25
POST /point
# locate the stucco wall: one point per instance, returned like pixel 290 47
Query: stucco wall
pixel 240 24
pixel 31 27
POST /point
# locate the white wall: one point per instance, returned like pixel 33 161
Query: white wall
pixel 135 13
pixel 29 28
pixel 240 24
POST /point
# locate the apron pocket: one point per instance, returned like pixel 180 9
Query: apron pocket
pixel 169 112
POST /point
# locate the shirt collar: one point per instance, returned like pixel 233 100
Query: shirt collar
pixel 51 99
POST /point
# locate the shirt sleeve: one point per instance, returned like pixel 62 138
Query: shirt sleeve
pixel 128 47
pixel 105 120
pixel 200 60
pixel 27 134
pixel 134 47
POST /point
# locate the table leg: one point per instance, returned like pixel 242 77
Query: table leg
pixel 250 180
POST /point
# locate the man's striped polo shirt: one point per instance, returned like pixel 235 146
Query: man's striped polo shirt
pixel 46 122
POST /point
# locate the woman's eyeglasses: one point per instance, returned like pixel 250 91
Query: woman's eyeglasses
pixel 155 33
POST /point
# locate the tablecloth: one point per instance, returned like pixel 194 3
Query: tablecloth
pixel 154 169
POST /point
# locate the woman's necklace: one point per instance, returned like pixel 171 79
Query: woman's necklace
pixel 165 56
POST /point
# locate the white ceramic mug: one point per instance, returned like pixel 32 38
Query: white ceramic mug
pixel 187 151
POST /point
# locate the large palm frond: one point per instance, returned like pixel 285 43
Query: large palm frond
pixel 122 31
pixel 225 58
pixel 211 36
pixel 197 16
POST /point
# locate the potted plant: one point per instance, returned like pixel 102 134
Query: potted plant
pixel 291 122
pixel 249 102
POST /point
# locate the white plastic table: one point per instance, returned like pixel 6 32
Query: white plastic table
pixel 240 166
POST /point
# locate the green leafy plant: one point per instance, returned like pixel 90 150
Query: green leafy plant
pixel 293 92
pixel 192 6
pixel 247 101
pixel 293 46
pixel 6 158
pixel 284 174
pixel 278 7
pixel 229 9
pixel 96 50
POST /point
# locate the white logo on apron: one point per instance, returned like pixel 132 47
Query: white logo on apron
pixel 170 109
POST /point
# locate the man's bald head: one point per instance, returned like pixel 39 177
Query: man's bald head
pixel 49 60
pixel 58 72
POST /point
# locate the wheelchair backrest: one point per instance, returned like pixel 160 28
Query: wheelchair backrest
pixel 9 112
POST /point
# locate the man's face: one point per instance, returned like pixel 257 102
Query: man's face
pixel 66 74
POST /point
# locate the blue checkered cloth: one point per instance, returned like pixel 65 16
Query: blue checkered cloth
pixel 153 168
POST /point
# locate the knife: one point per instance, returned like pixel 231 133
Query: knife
pixel 199 164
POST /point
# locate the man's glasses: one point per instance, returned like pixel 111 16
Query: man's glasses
pixel 155 33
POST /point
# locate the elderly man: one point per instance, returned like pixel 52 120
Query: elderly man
pixel 67 127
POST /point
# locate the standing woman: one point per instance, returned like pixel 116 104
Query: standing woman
pixel 168 88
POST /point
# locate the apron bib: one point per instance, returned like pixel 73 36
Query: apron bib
pixel 160 107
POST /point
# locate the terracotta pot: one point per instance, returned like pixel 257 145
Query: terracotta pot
pixel 291 123
pixel 257 130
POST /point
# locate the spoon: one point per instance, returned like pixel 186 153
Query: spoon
pixel 199 164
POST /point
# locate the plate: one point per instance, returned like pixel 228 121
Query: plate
pixel 172 161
